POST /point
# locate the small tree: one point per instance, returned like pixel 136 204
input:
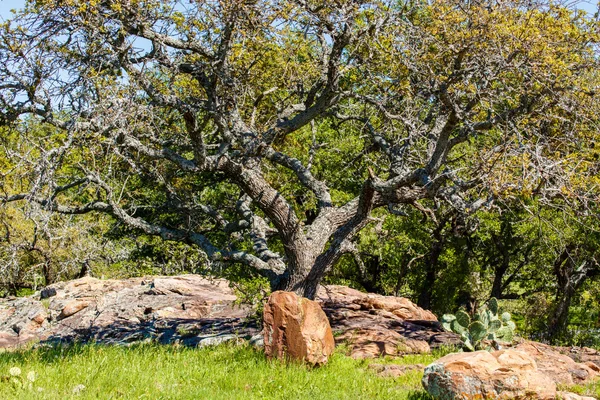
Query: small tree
pixel 215 123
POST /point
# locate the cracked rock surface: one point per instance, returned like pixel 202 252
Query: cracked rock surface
pixel 524 372
pixel 197 311
pixel 189 309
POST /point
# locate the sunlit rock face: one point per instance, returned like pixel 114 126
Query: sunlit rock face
pixel 296 328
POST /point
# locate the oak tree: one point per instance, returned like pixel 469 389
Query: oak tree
pixel 214 123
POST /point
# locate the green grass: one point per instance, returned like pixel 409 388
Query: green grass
pixel 590 389
pixel 170 372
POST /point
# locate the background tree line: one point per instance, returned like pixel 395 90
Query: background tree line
pixel 443 151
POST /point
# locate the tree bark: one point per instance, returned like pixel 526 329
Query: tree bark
pixel 374 267
pixel 300 262
pixel 305 279
pixel 570 278
pixel 432 268
pixel 497 285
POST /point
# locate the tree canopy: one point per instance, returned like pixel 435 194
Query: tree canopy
pixel 269 133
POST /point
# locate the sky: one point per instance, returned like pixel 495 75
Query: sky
pixel 591 6
pixel 6 5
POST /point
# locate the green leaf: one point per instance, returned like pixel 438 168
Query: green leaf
pixel 494 325
pixel 511 325
pixel 448 318
pixel 468 345
pixel 478 331
pixel 484 318
pixel 493 305
pixel 463 318
pixel 457 328
pixel 505 334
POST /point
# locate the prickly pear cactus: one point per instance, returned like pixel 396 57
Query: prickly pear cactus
pixel 486 325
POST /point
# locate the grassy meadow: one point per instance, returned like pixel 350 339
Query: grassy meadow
pixel 172 372
pixel 225 372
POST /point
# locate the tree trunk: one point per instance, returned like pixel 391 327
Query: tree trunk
pixel 432 265
pixel 305 286
pixel 501 263
pixel 497 285
pixel 426 292
pixel 85 270
pixel 373 269
pixel 49 276
pixel 558 321
pixel 569 279
pixel 302 276
pixel 301 281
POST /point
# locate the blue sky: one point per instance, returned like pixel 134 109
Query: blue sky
pixel 6 5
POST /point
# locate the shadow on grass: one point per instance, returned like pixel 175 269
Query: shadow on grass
pixel 56 353
pixel 419 395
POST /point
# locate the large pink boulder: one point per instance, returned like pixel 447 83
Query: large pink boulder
pixel 296 328
pixel 561 368
pixel 505 374
pixel 373 325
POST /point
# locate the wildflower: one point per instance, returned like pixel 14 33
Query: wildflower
pixel 31 376
pixel 15 371
pixel 78 389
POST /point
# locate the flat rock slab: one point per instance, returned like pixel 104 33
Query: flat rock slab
pixel 562 368
pixel 197 311
pixel 375 325
pixel 188 309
